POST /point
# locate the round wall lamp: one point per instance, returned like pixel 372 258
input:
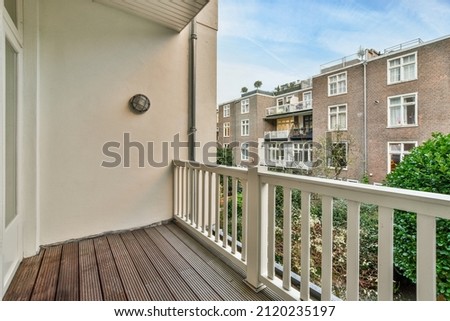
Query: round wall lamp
pixel 139 103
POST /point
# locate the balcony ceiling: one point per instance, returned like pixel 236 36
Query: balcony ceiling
pixel 174 14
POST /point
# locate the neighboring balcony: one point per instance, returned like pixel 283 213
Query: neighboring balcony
pixel 301 133
pixel 276 135
pixel 293 134
pixel 289 108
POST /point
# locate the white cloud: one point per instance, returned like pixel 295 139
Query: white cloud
pixel 286 40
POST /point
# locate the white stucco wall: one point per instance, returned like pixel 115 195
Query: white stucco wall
pixel 92 59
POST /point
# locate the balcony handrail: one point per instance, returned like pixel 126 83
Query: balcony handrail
pixel 203 193
pixel 289 108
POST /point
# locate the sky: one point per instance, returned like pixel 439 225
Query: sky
pixel 279 41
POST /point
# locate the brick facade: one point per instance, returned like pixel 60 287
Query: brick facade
pixel 370 102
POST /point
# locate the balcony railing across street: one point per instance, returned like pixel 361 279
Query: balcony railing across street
pixel 288 108
pixel 277 134
pixel 202 195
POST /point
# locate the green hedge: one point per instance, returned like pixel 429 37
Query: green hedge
pixel 427 169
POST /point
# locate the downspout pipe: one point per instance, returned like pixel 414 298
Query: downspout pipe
pixel 365 114
pixel 192 109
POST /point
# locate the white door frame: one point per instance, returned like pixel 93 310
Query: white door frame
pixel 11 236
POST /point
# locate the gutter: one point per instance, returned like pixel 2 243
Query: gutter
pixel 192 108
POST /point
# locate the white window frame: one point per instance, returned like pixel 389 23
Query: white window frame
pixel 245 106
pixel 245 151
pixel 404 121
pixel 245 127
pixel 339 90
pixel 401 67
pixel 402 151
pixel 301 150
pixel 337 117
pixel 307 103
pixel 226 129
pixel 226 110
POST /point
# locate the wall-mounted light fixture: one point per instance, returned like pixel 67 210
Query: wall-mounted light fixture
pixel 139 103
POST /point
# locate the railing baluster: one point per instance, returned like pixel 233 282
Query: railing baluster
pixel 271 234
pixel 385 253
pixel 211 199
pixel 183 193
pixel 426 258
pixel 218 201
pixel 205 189
pixel 199 207
pixel 353 213
pixel 189 195
pixel 234 216
pixel 225 211
pixel 287 244
pixel 327 247
pixel 175 190
pixel 305 245
pixel 244 220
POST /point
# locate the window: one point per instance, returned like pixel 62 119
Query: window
pixel 337 117
pixel 337 155
pixel 276 153
pixel 244 151
pixel 337 84
pixel 226 129
pixel 245 106
pixel 402 69
pixel 11 8
pixel 245 127
pixel 280 102
pixel 397 151
pixel 226 110
pixel 402 110
pixel 302 153
pixel 307 100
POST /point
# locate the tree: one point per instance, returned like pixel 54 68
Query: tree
pixel 427 169
pixel 244 89
pixel 332 154
pixel 224 156
pixel 258 84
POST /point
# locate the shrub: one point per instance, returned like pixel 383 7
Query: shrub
pixel 427 169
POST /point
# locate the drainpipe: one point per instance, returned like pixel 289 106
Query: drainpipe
pixel 365 114
pixel 192 91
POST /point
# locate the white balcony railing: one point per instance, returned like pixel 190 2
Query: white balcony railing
pixel 289 108
pixel 277 134
pixel 202 194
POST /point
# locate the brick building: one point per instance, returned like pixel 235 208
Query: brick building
pixel 373 107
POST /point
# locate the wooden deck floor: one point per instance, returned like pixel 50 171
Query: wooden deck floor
pixel 158 263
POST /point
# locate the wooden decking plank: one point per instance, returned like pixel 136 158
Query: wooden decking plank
pixel 150 277
pixel 90 287
pixel 132 282
pixel 22 285
pixel 202 289
pixel 214 279
pixel 68 285
pixel 233 278
pixel 178 287
pixel 47 280
pixel 109 276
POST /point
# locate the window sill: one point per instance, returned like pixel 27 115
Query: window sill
pixel 333 95
pixel 402 126
pixel 401 82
